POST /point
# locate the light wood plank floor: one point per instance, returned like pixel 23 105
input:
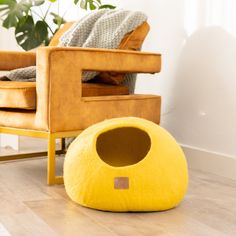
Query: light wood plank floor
pixel 29 207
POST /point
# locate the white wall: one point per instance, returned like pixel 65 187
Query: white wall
pixel 197 82
pixel 7 40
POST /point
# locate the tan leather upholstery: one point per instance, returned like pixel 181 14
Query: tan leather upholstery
pixel 17 119
pixel 22 95
pixel 10 60
pixel 93 90
pixel 60 105
pixel 134 40
pixel 18 95
pixel 60 111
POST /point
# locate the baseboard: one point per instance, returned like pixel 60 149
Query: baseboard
pixel 212 162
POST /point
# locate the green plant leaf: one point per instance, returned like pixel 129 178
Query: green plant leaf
pixel 30 35
pixel 52 1
pixel 91 5
pixel 58 20
pixel 87 4
pixel 84 4
pixel 37 2
pixel 11 11
pixel 107 6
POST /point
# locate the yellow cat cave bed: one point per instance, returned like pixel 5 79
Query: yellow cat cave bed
pixel 126 164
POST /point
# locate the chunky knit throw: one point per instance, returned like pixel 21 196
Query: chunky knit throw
pixel 100 29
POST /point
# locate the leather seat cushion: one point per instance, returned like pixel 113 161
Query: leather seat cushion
pixel 18 95
pixel 22 95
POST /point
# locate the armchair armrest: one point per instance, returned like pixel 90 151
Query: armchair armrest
pixel 59 72
pixel 94 59
pixel 10 60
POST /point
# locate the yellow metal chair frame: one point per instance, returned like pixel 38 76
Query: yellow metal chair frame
pixel 51 149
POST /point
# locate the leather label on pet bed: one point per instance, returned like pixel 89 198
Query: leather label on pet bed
pixel 121 183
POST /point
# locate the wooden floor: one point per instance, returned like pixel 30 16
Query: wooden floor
pixel 29 207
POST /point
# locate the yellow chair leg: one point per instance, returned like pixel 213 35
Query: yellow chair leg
pixel 51 175
pixel 51 169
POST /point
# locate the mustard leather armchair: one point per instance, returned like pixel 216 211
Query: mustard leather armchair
pixel 61 108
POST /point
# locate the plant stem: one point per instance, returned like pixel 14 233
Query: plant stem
pixel 47 11
pixel 33 12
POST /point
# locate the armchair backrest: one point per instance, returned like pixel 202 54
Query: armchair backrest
pixel 55 39
pixel 131 41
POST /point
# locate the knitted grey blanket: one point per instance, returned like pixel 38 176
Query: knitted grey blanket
pixel 100 29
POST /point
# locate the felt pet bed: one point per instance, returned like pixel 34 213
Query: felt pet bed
pixel 126 164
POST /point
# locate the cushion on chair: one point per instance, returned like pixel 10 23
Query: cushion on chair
pixel 22 95
pixel 17 95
